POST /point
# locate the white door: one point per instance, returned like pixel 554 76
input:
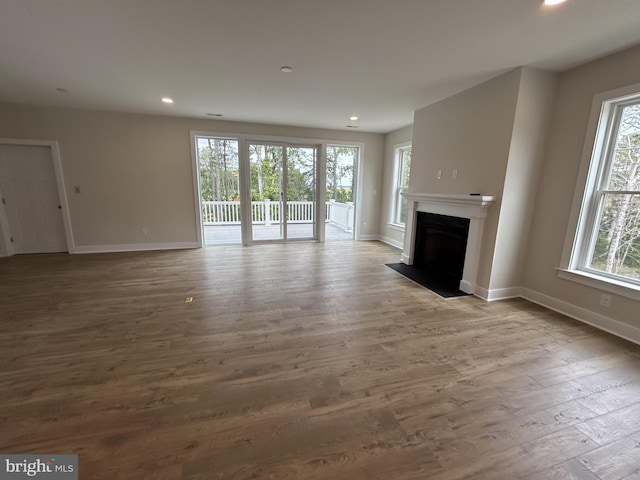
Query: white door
pixel 30 199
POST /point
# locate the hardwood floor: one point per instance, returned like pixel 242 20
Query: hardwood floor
pixel 301 361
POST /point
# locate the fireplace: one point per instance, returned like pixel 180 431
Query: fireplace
pixel 440 246
pixel 471 209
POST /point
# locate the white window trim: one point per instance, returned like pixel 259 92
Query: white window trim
pixel 393 206
pixel 580 226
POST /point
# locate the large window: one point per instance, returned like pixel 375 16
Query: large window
pixel 607 244
pixel 400 185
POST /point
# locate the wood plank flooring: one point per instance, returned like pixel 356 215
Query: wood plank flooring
pixel 301 361
pixel 231 234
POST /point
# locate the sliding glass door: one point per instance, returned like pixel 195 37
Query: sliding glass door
pixel 266 166
pixel 301 192
pixel 341 174
pixel 283 191
pixel 219 189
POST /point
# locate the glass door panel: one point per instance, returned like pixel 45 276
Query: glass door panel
pixel 219 166
pixel 301 192
pixel 283 191
pixel 266 163
pixel 341 174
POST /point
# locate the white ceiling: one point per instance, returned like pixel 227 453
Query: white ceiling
pixel 378 59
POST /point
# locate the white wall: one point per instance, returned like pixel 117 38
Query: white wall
pixel 3 248
pixel 557 184
pixel 389 234
pixel 520 137
pixel 494 136
pixel 135 171
pixel 470 132
pixel 534 106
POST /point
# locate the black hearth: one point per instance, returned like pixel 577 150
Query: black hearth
pixel 440 246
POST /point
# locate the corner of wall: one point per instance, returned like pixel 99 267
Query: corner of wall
pixel 533 110
pixel 391 139
pixel 559 180
pixel 4 250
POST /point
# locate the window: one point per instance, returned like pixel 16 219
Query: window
pixel 401 183
pixel 607 244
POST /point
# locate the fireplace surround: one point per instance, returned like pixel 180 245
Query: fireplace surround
pixel 472 207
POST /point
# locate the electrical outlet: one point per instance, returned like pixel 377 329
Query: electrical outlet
pixel 455 173
pixel 605 300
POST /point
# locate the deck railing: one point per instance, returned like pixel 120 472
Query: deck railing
pixel 340 215
pixel 220 213
pixel 268 212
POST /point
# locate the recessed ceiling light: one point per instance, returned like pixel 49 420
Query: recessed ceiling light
pixel 214 114
pixel 551 3
pixel 353 118
pixel 167 100
pixel 286 69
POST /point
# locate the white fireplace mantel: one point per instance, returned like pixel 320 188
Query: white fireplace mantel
pixel 473 207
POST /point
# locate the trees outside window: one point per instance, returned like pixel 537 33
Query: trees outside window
pixel 266 171
pixel 219 166
pixel 341 169
pixel 266 162
pixel 608 243
pixel 401 183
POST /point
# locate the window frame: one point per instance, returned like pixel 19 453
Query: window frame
pixel 591 188
pixel 397 187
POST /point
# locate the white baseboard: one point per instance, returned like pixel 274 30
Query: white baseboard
pixel 369 237
pixel 602 322
pixel 497 293
pixel 480 292
pixel 609 325
pixel 467 287
pixel 134 247
pixel 391 241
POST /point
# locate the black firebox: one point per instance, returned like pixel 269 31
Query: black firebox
pixel 440 246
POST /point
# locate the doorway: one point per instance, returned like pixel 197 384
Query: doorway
pixel 283 191
pixel 262 189
pixel 341 187
pixel 32 217
pixel 219 189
